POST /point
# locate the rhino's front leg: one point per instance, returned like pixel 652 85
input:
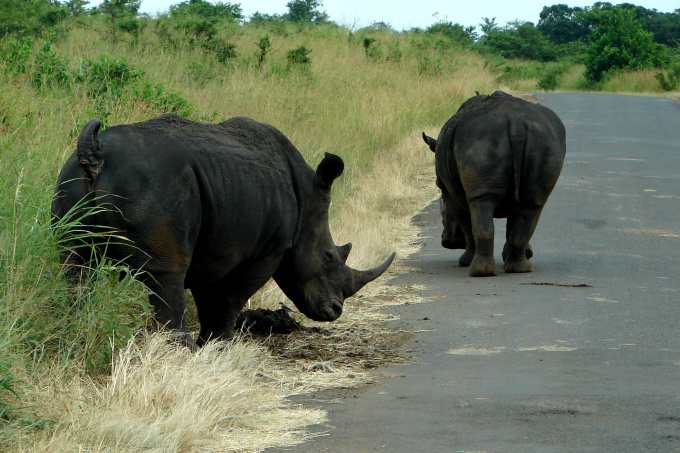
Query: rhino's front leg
pixel 452 236
pixel 219 303
pixel 481 215
pixel 455 218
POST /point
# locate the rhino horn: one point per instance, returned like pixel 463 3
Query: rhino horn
pixel 363 277
pixel 343 251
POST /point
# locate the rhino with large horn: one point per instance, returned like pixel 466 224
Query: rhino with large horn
pixel 216 208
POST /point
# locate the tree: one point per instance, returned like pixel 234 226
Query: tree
pixel 619 41
pixel 29 16
pixel 453 32
pixel 305 12
pixel 489 25
pixel 205 9
pixel 120 12
pixel 562 24
pixel 76 7
pixel 518 40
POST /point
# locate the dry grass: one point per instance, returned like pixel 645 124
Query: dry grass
pixel 633 82
pixel 164 398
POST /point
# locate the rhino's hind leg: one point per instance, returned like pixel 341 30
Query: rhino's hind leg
pixel 169 304
pixel 483 264
pixel 517 251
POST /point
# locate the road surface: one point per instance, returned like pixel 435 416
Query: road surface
pixel 583 354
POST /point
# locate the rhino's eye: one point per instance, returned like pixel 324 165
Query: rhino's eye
pixel 328 257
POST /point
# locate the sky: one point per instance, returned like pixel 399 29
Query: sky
pixel 404 15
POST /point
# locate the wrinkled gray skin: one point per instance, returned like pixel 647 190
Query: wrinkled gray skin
pixel 216 208
pixel 498 156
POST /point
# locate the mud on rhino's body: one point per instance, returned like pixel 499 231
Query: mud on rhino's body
pixel 217 208
pixel 498 156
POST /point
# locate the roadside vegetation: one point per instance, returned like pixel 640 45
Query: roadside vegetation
pixel 71 379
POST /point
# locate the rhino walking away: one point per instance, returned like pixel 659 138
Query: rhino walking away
pixel 216 208
pixel 498 156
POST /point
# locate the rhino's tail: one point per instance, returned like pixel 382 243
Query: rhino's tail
pixel 90 157
pixel 518 139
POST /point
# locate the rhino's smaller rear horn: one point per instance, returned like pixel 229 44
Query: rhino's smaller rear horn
pixel 343 251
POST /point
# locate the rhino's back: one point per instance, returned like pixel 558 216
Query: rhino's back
pixel 230 194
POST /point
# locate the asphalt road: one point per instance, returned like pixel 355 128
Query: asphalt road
pixel 583 354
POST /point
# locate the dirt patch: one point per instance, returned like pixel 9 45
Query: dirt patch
pixel 581 285
pixel 351 347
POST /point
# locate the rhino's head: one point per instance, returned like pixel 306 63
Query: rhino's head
pixel 313 274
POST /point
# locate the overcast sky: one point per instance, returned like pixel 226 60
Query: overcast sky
pixel 403 15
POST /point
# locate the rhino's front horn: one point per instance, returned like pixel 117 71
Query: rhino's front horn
pixel 363 277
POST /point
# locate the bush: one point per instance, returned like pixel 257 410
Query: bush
pixel 669 81
pixel 299 57
pixel 108 76
pixel 620 42
pixel 49 70
pixel 17 54
pixel 453 33
pixel 264 45
pixel 548 82
pixel 159 98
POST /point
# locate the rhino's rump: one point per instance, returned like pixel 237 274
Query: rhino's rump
pixel 500 147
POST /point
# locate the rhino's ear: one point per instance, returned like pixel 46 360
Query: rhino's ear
pixel 329 168
pixel 431 142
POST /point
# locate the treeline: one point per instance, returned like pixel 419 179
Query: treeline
pixel 606 38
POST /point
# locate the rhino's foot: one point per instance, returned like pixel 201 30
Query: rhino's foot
pixel 518 266
pixel 453 241
pixel 205 337
pixel 183 339
pixel 482 266
pixel 529 252
pixel 466 258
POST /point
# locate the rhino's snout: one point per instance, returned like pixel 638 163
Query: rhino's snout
pixel 325 312
pixel 329 311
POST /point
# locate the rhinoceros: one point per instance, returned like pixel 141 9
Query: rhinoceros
pixel 498 156
pixel 216 208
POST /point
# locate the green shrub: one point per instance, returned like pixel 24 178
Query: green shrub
pixel 430 65
pixel 669 81
pixel 264 44
pixel 48 69
pixel 157 97
pixel 108 76
pixel 299 57
pixel 222 50
pixel 548 82
pixel 17 54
